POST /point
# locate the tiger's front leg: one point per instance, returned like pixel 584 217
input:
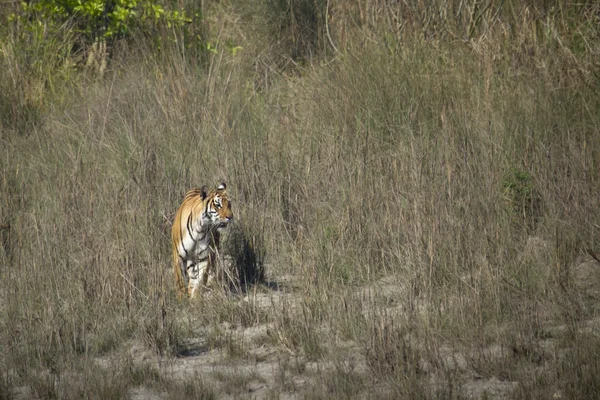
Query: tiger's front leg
pixel 192 272
pixel 197 275
pixel 212 268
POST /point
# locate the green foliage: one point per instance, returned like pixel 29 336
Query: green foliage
pixel 518 185
pixel 37 61
pixel 47 41
pixel 98 18
pixel 521 196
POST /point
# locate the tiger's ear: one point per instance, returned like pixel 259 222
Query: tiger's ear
pixel 204 192
pixel 222 186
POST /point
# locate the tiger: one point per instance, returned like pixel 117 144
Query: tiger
pixel 200 220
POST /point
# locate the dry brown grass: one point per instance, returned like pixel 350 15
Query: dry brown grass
pixel 415 214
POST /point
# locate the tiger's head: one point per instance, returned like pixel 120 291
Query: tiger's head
pixel 217 211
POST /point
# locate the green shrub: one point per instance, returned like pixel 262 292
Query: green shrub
pixel 522 197
pixel 98 19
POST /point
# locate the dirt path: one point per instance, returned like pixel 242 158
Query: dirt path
pixel 253 363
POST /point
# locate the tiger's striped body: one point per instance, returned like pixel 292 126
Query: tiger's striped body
pixel 196 232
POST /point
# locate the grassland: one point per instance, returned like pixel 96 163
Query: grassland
pixel 416 192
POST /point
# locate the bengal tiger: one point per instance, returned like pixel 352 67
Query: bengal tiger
pixel 199 222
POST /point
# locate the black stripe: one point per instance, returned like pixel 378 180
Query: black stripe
pixel 189 233
pixel 189 223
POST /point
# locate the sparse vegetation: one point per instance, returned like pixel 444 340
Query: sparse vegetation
pixel 415 190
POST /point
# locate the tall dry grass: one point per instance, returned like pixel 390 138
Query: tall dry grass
pixel 463 170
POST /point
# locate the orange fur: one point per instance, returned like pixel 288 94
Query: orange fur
pixel 191 220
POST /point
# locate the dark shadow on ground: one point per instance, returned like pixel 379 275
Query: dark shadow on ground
pixel 247 254
pixel 192 351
